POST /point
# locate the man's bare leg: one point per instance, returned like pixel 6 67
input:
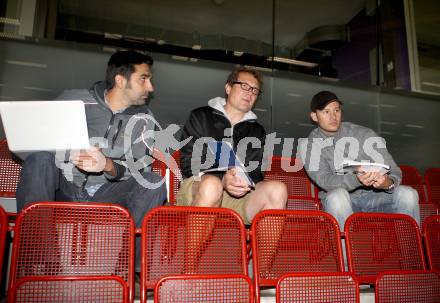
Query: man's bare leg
pixel 268 195
pixel 207 192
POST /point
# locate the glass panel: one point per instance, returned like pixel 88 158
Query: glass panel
pixel 427 26
pixel 345 46
pixel 185 28
pixel 323 37
pixel 9 18
pixel 410 124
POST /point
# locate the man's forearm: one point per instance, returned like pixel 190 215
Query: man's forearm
pixel 110 167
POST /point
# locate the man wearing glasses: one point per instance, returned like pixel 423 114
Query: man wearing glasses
pixel 231 120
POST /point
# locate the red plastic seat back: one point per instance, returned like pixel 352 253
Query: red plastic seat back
pixel 287 241
pixel 317 288
pixel 3 231
pixel 432 181
pixel 204 288
pixel 427 210
pixel 295 178
pixel 175 176
pixel 408 286
pixel 431 234
pixel 378 242
pixel 67 239
pixel 159 168
pixel 191 240
pixel 70 289
pixel 10 168
pixel 412 177
pixel 303 203
pixel 302 193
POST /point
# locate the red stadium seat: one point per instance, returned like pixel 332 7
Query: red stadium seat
pixel 317 288
pixel 3 231
pixel 158 166
pixel 431 235
pixel 378 242
pixel 288 241
pixel 10 168
pixel 427 210
pixel 408 287
pixel 432 182
pixel 302 193
pixel 204 288
pixel 191 240
pixel 70 289
pixel 68 239
pixel 411 177
pixel 175 177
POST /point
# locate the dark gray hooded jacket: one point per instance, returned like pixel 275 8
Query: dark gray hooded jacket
pixel 127 137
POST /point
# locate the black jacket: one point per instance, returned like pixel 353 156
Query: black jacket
pixel 210 122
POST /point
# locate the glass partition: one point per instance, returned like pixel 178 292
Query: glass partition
pixel 358 41
pixel 355 48
pixel 427 47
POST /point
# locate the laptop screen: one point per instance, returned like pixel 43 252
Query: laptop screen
pixel 44 125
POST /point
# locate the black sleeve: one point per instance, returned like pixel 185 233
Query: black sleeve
pixel 257 155
pixel 191 129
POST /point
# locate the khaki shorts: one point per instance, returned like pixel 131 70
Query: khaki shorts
pixel 184 198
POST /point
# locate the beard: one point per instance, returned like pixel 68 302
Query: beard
pixel 139 101
pixel 136 100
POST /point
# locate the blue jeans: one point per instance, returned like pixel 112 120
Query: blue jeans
pixel 42 180
pixel 340 204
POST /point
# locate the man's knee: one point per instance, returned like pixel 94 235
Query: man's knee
pixel 153 177
pixel 277 194
pixel 209 191
pixel 337 199
pixel 39 158
pixel 150 184
pixel 338 204
pixel 274 193
pixel 41 164
pixel 406 197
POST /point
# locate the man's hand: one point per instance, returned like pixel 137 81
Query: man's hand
pixel 92 160
pixel 383 182
pixel 234 185
pixel 374 179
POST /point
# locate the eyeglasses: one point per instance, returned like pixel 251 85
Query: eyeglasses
pixel 244 86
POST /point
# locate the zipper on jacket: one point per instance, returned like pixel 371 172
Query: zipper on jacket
pixel 216 112
pixel 83 185
pixel 219 113
pixel 115 136
pixel 109 126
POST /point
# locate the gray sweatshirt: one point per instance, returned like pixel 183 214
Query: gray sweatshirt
pixel 120 133
pixel 322 156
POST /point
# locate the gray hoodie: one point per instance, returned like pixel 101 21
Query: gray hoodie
pixel 119 134
pixel 352 142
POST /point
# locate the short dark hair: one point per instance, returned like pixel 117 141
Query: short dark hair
pixel 233 76
pixel 321 99
pixel 122 63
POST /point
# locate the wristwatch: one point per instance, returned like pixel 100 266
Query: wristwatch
pixel 391 187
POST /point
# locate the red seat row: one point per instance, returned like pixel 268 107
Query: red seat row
pixel 87 249
pixel 430 203
pixel 302 193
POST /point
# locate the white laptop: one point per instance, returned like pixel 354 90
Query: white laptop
pixel 44 126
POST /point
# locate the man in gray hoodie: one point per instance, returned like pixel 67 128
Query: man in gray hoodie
pixel 117 168
pixel 360 189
